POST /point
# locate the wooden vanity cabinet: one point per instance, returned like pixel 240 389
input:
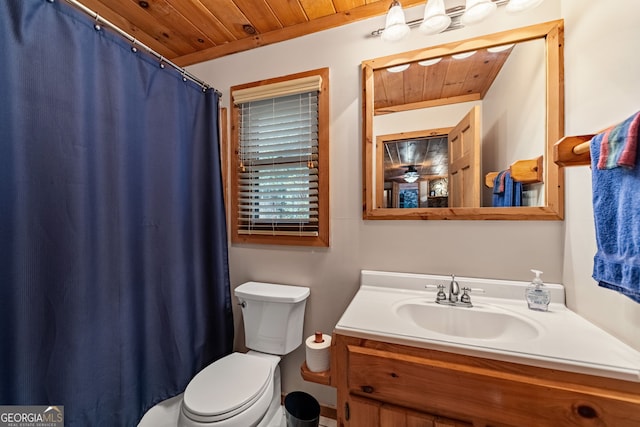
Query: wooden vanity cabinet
pixel 391 385
pixel 369 413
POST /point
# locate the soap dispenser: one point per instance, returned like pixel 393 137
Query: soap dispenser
pixel 538 297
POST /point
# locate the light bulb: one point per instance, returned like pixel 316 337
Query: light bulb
pixel 395 27
pixel 477 10
pixel 398 68
pixel 435 19
pixel 463 55
pixel 428 62
pixel 411 176
pixel 502 48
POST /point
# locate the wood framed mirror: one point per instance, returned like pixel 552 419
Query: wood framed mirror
pixel 438 147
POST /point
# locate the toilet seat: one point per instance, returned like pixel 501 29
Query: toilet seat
pixel 228 387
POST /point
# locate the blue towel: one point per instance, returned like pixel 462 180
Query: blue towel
pixel 616 211
pixel 516 193
pixel 498 189
pixel 506 191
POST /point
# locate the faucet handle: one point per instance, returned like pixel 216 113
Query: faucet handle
pixel 440 296
pixel 465 298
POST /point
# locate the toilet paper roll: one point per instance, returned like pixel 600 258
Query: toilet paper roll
pixel 318 352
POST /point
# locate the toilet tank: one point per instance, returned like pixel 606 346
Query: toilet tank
pixel 273 316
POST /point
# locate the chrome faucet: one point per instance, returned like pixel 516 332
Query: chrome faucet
pixel 454 290
pixel 454 297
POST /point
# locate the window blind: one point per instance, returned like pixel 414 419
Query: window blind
pixel 273 90
pixel 278 161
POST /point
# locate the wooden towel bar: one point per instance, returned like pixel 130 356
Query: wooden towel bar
pixel 525 171
pixel 573 151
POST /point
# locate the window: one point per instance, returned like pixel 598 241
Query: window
pixel 280 165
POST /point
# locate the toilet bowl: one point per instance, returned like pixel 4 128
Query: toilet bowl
pixel 243 389
pixel 235 391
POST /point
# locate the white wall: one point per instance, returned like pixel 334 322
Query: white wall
pixel 422 119
pixel 513 116
pixel 602 88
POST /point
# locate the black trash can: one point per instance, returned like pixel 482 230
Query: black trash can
pixel 302 410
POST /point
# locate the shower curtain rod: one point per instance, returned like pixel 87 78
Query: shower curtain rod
pixel 129 37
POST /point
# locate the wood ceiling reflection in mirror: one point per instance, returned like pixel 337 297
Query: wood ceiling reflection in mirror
pixel 449 80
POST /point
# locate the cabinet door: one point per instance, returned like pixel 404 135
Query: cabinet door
pixel 371 413
pixel 363 412
pixel 393 416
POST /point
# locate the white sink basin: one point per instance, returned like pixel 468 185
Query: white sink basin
pixel 479 322
pixel 400 308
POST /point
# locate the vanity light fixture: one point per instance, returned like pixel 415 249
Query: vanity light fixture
pixel 411 175
pixel 428 62
pixel 435 18
pixel 438 19
pixel 464 55
pixel 398 68
pixel 395 27
pixel 501 48
pixel 477 10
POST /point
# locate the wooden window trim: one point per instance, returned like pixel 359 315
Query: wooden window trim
pixel 322 239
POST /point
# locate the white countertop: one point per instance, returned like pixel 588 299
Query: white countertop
pixel 565 340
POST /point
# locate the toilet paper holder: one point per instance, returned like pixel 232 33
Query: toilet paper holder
pixel 316 367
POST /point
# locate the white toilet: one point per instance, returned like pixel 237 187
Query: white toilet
pixel 243 390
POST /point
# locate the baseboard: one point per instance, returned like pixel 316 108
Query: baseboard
pixel 328 412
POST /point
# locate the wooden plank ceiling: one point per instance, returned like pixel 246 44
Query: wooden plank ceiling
pixel 447 82
pixel 191 31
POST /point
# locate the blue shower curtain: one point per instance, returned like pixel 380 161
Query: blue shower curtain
pixel 114 287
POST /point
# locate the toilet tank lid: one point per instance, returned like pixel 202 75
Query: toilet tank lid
pixel 259 291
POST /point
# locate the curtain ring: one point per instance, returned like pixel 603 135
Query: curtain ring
pixel 161 61
pixel 97 25
pixel 134 49
pixel 184 76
